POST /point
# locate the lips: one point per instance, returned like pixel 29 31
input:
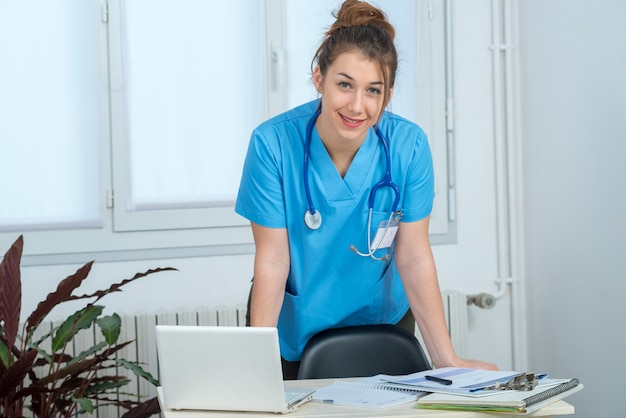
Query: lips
pixel 352 123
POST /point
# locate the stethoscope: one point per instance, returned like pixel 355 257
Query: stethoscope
pixel 313 218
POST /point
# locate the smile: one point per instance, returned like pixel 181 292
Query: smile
pixel 353 123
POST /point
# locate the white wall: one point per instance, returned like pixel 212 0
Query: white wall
pixel 573 56
pixel 471 265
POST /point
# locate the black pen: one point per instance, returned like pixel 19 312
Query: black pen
pixel 438 380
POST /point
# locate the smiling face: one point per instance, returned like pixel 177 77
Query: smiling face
pixel 352 100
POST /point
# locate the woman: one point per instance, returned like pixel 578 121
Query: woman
pixel 339 193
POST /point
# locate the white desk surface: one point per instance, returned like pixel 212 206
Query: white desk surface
pixel 316 409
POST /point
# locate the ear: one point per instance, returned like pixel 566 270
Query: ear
pixel 318 80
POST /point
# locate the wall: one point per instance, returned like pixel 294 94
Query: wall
pixel 573 67
pixel 470 266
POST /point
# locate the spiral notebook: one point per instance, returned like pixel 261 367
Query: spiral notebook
pixel 506 401
pixel 371 392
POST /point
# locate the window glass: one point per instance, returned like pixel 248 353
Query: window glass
pixel 192 96
pixel 50 84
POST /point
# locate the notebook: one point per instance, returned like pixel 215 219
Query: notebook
pixel 223 369
pixel 506 401
pixel 371 392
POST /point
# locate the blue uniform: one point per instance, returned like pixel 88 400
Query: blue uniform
pixel 328 285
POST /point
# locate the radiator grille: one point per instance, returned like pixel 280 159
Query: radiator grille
pixel 455 310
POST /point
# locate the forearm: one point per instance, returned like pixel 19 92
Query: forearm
pixel 266 301
pixel 416 266
pixel 271 268
pixel 424 295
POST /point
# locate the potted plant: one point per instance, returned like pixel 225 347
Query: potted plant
pixel 39 374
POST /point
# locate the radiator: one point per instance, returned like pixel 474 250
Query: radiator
pixel 140 326
pixel 455 310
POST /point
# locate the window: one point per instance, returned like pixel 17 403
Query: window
pixel 50 102
pixel 188 93
pixel 134 119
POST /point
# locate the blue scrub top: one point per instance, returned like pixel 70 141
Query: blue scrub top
pixel 330 286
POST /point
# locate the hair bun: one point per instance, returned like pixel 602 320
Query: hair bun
pixel 357 13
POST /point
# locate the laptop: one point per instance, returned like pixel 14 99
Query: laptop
pixel 223 368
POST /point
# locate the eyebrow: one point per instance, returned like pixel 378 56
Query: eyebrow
pixel 373 83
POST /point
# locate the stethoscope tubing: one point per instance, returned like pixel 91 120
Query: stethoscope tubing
pixel 312 217
pixel 386 181
pixel 305 165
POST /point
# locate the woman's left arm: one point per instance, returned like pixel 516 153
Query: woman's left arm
pixel 416 266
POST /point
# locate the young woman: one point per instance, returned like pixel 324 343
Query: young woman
pixel 339 192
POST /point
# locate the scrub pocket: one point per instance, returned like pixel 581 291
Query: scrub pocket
pixel 291 340
pixel 382 233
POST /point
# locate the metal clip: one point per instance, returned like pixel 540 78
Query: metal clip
pixel 523 381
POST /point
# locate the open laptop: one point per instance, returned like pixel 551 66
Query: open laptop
pixel 223 369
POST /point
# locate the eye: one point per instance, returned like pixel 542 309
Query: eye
pixel 344 84
pixel 374 91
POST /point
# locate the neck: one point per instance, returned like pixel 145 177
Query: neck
pixel 342 160
pixel 341 152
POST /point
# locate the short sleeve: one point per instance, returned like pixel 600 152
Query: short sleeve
pixel 419 187
pixel 261 197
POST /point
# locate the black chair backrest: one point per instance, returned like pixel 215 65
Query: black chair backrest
pixel 365 350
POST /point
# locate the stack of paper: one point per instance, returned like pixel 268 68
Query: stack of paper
pixel 468 389
pixel 460 381
pixel 511 401
pixel 448 388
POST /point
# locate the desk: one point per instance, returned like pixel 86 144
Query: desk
pixel 408 410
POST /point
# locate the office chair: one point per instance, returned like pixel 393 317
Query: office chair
pixel 359 351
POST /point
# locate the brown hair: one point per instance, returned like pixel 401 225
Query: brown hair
pixel 361 27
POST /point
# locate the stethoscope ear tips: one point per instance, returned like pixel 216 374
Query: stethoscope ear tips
pixel 313 220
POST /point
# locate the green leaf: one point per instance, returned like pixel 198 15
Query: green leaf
pixel 138 371
pixel 110 326
pixel 81 319
pixel 84 354
pixel 84 403
pixel 5 356
pixel 107 386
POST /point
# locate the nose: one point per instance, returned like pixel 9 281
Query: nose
pixel 356 104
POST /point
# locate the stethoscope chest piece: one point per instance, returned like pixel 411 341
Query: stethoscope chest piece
pixel 312 220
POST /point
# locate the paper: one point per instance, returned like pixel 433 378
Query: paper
pixel 468 382
pixel 511 401
pixel 369 393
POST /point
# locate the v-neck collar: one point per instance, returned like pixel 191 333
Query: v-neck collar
pixel 357 177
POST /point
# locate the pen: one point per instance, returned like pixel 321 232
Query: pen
pixel 438 380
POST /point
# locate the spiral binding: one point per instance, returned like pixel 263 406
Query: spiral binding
pixel 546 394
pixel 378 386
